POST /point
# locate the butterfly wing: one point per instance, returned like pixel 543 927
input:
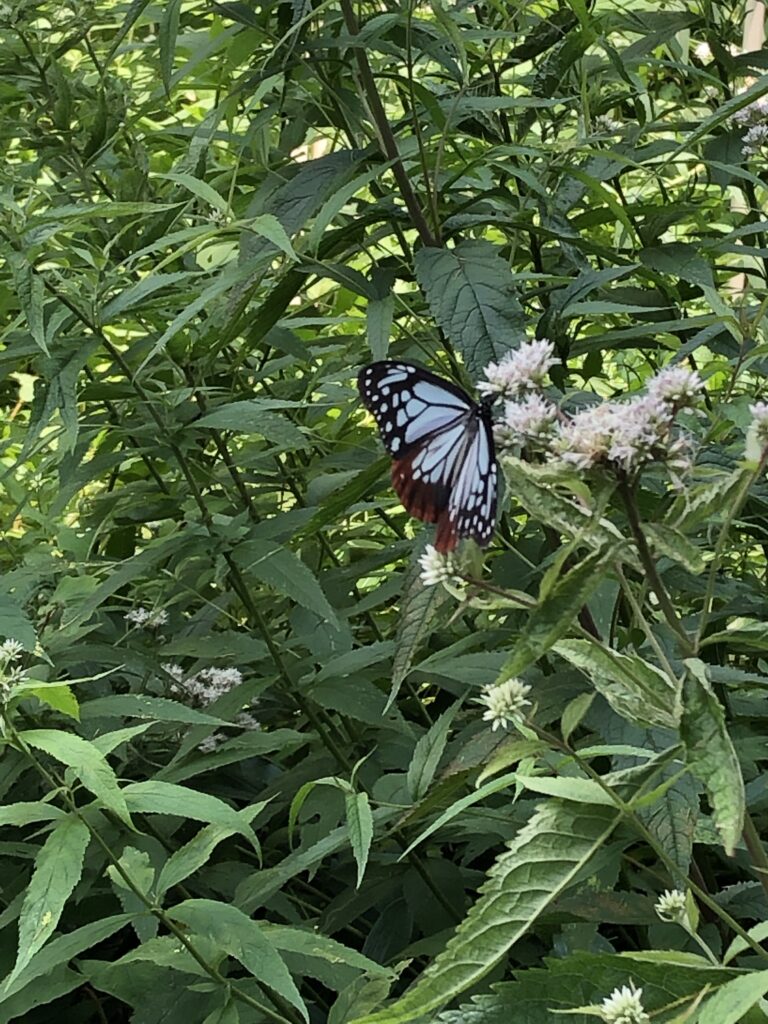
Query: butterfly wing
pixel 444 468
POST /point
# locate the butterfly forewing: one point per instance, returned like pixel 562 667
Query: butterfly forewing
pixel 444 468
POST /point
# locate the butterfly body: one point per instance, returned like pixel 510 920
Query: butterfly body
pixel 441 442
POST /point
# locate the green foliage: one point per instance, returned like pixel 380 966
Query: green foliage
pixel 253 768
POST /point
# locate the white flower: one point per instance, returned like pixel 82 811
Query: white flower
pixel 703 51
pixel 436 567
pixel 670 906
pixel 533 417
pixel 504 702
pixel 207 685
pixel 211 743
pixel 757 434
pixel 624 1006
pixel 586 439
pixel 754 140
pixel 146 618
pixel 520 370
pixel 676 385
pixel 173 670
pixel 11 650
pixel 752 113
pixel 638 428
pixel 245 720
pixel 607 125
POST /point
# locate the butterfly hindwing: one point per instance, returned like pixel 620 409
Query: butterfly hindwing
pixel 441 441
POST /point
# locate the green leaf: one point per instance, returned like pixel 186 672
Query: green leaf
pixel 582 791
pixel 635 689
pixel 139 292
pixel 360 828
pixel 472 297
pixel 188 858
pixel 157 797
pixel 711 756
pixel 15 624
pixel 240 937
pixel 555 614
pixel 378 325
pixel 57 871
pixel 30 290
pixel 250 417
pixel 86 761
pixel 320 957
pixel 675 545
pixel 167 34
pixel 282 570
pixel 729 1004
pixel 58 696
pixel 137 866
pixel 138 705
pixel 341 498
pixel 62 949
pixel 27 811
pixel 427 753
pixel 679 260
pixel 269 227
pixel 540 864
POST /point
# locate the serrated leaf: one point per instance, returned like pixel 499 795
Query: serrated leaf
pixel 287 574
pixel 634 688
pixel 472 297
pixel 269 227
pixel 680 260
pixel 27 811
pixel 137 866
pixel 675 545
pixel 427 754
pixel 15 623
pixel 542 861
pixel 157 797
pixel 250 417
pixel 360 828
pixel 86 761
pixel 184 861
pixel 57 871
pixel 710 753
pixel 58 696
pixel 320 957
pixel 240 937
pixel 555 614
pixel 138 705
pixel 30 290
pixel 729 1004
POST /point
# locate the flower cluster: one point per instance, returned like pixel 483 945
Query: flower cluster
pixel 519 371
pixel 607 125
pixel 754 140
pixel 146 618
pixel 624 1006
pixel 11 651
pixel 757 435
pixel 621 434
pixel 436 568
pixel 205 686
pixel 504 702
pixel 753 113
pixel 670 906
pixel 244 720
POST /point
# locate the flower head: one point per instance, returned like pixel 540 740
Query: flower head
pixel 754 140
pixel 757 434
pixel 207 685
pixel 752 113
pixel 436 567
pixel 211 743
pixel 624 1006
pixel 607 125
pixel 146 618
pixel 504 702
pixel 521 370
pixel 245 720
pixel 11 650
pixel 675 385
pixel 533 417
pixel 671 906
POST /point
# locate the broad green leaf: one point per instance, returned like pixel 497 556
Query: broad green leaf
pixel 472 298
pixel 542 861
pixel 711 756
pixel 15 624
pixel 240 937
pixel 62 949
pixel 188 858
pixel 427 753
pixel 157 797
pixel 282 570
pixel 58 866
pixel 58 696
pixel 321 957
pixel 341 499
pixel 86 761
pixel 139 705
pixel 137 293
pixel 582 791
pixel 250 417
pixel 555 614
pixel 729 1004
pixel 675 545
pixel 138 867
pixel 30 290
pixel 27 811
pixel 758 932
pixel 360 828
pixel 681 260
pixel 199 188
pixel 269 227
pixel 634 688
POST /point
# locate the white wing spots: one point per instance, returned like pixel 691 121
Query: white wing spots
pixel 395 376
pixel 414 407
pixel 429 421
pixel 384 390
pixel 401 418
pixel 394 445
pixel 384 407
pixel 434 395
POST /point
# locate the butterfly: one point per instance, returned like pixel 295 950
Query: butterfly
pixel 444 469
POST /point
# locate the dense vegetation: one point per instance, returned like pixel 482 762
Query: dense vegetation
pixel 256 765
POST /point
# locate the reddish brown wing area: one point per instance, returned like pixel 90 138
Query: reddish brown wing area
pixel 425 501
